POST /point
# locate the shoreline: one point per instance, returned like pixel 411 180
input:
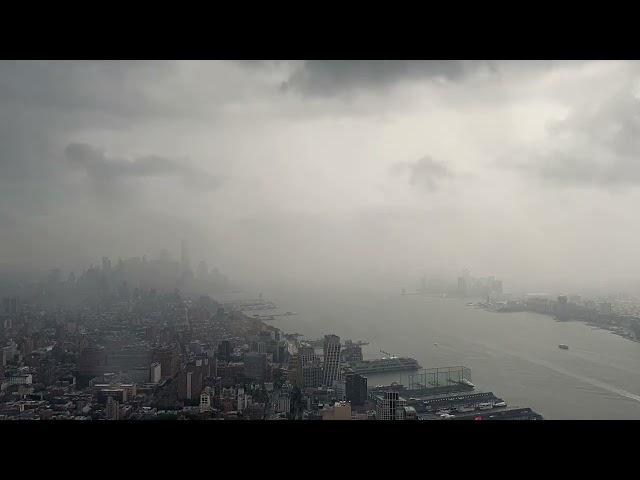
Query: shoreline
pixel 596 326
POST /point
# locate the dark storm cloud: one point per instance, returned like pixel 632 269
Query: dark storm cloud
pixel 425 173
pixel 44 101
pixel 597 145
pixel 109 88
pixel 329 77
pixel 332 77
pixel 106 171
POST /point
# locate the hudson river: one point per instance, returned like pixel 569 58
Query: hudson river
pixel 515 355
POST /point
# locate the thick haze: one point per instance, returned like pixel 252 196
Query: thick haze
pixel 327 172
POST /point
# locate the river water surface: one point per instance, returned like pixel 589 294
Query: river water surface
pixel 515 355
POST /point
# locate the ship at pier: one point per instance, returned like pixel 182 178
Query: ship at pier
pixel 383 365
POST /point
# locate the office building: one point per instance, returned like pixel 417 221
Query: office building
pixel 155 372
pixel 185 263
pixel 106 265
pixel 388 404
pixel 243 400
pixel 462 286
pixel 605 308
pixel 339 389
pixel 190 382
pixel 309 369
pixel 255 366
pixel 205 402
pixel 169 360
pixel 331 359
pixel 91 363
pixel 356 389
pixel 224 351
pixel 112 410
pixel 352 352
pixel 10 305
pixel 284 404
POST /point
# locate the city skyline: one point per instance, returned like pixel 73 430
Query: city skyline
pixel 202 240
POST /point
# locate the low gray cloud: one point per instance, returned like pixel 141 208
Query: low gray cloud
pixel 105 171
pixel 328 77
pixel 104 89
pixel 425 173
pixel 595 145
pixel 324 78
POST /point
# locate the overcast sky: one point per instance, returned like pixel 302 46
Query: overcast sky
pixel 327 172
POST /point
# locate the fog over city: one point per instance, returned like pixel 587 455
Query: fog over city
pixel 327 173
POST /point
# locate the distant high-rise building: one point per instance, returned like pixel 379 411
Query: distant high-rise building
pixel 255 366
pixel 191 381
pixel 91 363
pixel 259 347
pixel 356 389
pixel 284 404
pixel 54 277
pixel 155 372
pixel 10 305
pixel 352 352
pixel 112 410
pixel 309 370
pixel 185 264
pixel 203 270
pixel 462 286
pixel 605 308
pixel 169 360
pixel 164 256
pixel 106 265
pixel 224 351
pixel 205 402
pixel 331 359
pixel 294 370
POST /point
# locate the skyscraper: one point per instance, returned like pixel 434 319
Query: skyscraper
pixel 155 372
pixel 255 366
pixel 310 373
pixel 106 265
pixel 205 402
pixel 185 265
pixel 224 351
pixel 462 286
pixel 203 270
pixel 352 352
pixel 331 359
pixel 356 389
pixel 10 306
pixel 168 358
pixel 112 410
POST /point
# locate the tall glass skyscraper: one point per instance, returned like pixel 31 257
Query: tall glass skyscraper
pixel 331 359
